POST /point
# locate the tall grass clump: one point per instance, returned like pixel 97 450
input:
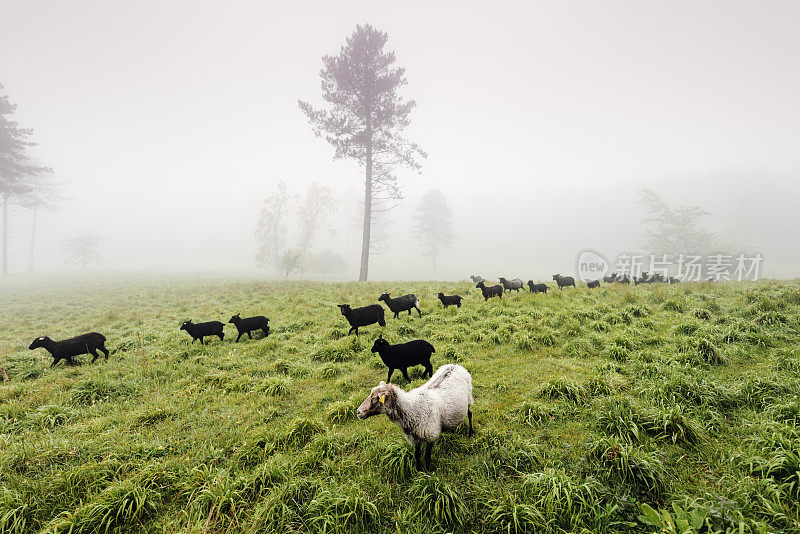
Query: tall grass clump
pixel 436 502
pixel 628 467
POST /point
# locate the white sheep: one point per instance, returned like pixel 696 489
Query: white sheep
pixel 440 404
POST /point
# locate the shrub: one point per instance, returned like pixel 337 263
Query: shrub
pixel 435 501
pixel 628 466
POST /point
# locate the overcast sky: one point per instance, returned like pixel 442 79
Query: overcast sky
pixel 172 120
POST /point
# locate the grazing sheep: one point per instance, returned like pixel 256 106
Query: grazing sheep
pixel 440 404
pixel 450 300
pixel 643 279
pixel 492 291
pixel 610 279
pixel 365 316
pixel 564 281
pixel 201 330
pixel 537 288
pixel 401 304
pixel 593 283
pixel 673 280
pixel 475 278
pixel 508 285
pixel 405 355
pixel 248 324
pixel 68 348
pixel 624 279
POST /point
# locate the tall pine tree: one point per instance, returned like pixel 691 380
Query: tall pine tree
pixel 365 119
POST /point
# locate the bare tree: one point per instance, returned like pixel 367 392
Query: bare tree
pixel 16 169
pixel 434 225
pixel 83 250
pixel 319 204
pixel 675 231
pixel 44 194
pixel 271 230
pixel 365 120
pixel 291 262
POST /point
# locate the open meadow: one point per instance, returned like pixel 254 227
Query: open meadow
pixel 667 408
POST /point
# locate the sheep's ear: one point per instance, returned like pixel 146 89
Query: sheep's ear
pixel 382 398
pixel 382 383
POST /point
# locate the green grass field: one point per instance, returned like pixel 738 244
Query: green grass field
pixel 657 408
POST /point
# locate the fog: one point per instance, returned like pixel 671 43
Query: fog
pixel 171 122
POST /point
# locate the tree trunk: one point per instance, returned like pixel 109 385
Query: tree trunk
pixel 33 240
pixel 364 274
pixel 5 234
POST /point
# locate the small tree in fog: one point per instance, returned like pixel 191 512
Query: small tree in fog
pixel 674 231
pixel 291 262
pixel 319 204
pixel 16 169
pixel 365 120
pixel 271 230
pixel 44 194
pixel 434 224
pixel 83 250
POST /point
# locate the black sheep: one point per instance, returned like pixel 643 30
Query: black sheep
pixel 492 291
pixel 537 288
pixel 624 279
pixel 65 350
pixel 405 355
pixel 401 304
pixel 363 316
pixel 610 279
pixel 593 283
pixel 201 330
pixel 508 285
pixel 673 280
pixel 449 300
pixel 564 281
pixel 248 324
pixel 643 279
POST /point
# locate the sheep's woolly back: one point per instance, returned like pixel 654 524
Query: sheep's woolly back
pixel 439 404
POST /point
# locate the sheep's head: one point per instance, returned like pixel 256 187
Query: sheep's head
pixel 185 325
pixel 345 309
pixel 556 276
pixel 380 343
pixel 380 400
pixel 441 295
pixel 481 284
pixel 235 319
pixel 38 342
pixel 384 297
pixel 502 280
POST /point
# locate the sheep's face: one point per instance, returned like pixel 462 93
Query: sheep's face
pixel 380 343
pixel 555 276
pixel 38 342
pixel 481 285
pixel 235 319
pixel 380 398
pixel 441 295
pixel 185 326
pixel 384 297
pixel 345 309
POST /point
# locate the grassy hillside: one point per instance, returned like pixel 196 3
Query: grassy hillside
pixel 619 409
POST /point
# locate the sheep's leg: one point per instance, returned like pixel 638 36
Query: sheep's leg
pixel 469 414
pixel 94 353
pixel 351 330
pixel 221 336
pixel 237 337
pixel 389 378
pixel 249 334
pixel 416 455
pixel 266 331
pixel 428 456
pixel 405 375
pixel 104 351
pixel 429 369
pixel 409 311
pixel 418 311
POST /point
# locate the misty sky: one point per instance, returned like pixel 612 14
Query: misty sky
pixel 171 121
